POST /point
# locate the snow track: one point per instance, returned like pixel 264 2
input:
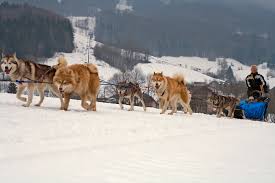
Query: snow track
pixel 114 146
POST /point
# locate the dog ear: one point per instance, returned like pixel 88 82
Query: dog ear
pixel 2 55
pixel 14 54
pixel 154 73
pixel 161 73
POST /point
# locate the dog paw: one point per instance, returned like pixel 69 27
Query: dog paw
pixel 26 105
pixel 130 109
pixel 37 105
pixel 170 113
pixel 22 99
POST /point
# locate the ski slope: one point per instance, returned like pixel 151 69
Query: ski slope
pixel 113 146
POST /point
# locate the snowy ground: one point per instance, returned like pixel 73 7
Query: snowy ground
pixel 113 146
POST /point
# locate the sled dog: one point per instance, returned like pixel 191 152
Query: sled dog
pixel 129 90
pixel 30 72
pixel 171 91
pixel 221 102
pixel 81 79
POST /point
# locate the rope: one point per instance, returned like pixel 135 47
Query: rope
pixel 31 81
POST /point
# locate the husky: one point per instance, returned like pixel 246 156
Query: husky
pixel 129 90
pixel 81 79
pixel 221 102
pixel 171 91
pixel 24 70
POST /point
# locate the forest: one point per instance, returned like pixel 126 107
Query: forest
pixel 33 32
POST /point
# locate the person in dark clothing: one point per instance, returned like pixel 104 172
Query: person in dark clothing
pixel 256 83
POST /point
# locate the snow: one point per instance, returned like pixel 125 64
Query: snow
pixel 193 68
pixel 122 5
pixel 80 54
pixel 170 69
pixel 109 146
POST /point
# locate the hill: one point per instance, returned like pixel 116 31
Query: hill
pixel 243 32
pixel 33 32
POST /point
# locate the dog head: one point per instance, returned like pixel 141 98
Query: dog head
pixel 9 63
pixel 65 80
pixel 121 89
pixel 158 80
pixel 214 98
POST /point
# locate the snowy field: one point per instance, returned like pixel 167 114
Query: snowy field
pixel 45 145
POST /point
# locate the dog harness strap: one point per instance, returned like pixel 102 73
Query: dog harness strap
pixel 163 93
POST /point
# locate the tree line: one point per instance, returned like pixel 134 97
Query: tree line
pixel 192 29
pixel 33 32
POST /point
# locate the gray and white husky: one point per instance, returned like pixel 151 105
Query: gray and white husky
pixel 23 70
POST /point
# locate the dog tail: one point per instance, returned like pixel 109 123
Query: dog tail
pixel 179 78
pixel 93 69
pixel 61 62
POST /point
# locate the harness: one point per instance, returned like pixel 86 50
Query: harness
pixel 163 93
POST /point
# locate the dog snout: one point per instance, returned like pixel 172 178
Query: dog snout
pixel 6 68
pixel 60 89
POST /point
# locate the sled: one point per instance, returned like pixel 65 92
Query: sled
pixel 252 110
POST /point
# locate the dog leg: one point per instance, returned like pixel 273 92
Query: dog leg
pixel 164 108
pixel 67 97
pixel 30 95
pixel 174 106
pixel 161 103
pixel 120 102
pixel 219 112
pixel 41 89
pixel 56 92
pixel 93 103
pixel 231 111
pixel 187 107
pixel 84 103
pixel 185 110
pixel 19 92
pixel 140 97
pixel 131 103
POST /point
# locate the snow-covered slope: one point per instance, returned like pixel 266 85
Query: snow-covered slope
pixel 82 34
pixel 194 68
pixel 173 65
pixel 110 146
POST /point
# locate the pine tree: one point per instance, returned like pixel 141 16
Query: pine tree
pixel 229 75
